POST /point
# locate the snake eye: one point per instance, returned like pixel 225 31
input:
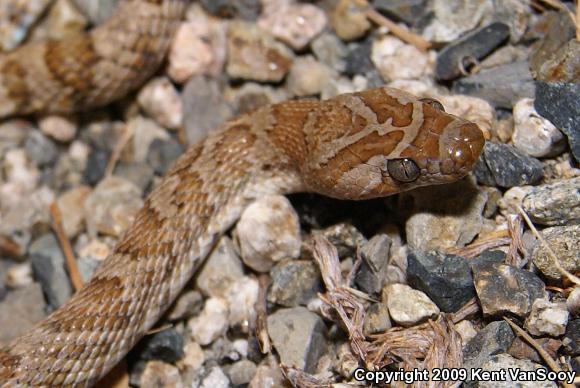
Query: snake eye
pixel 403 170
pixel 434 103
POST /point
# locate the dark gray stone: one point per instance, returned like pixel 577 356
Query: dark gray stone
pixel 294 282
pixel 96 166
pixel 48 266
pixel 495 338
pixel 445 278
pixel 560 103
pixel 505 166
pixel 502 86
pixel 167 345
pixel 556 203
pixel 244 9
pixel 455 57
pixel 372 273
pixel 358 59
pixel 506 290
pixel 40 149
pixel 415 13
pixel 162 153
pixel 139 173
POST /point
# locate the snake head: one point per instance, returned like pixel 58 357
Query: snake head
pixel 383 141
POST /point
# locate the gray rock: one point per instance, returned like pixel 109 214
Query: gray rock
pixel 20 310
pixel 505 166
pixel 162 153
pixel 473 46
pixel 294 282
pixel 242 372
pixel 358 59
pixel 377 319
pixel 444 216
pixel 247 9
pixel 502 86
pixel 564 242
pixel 503 289
pixel 96 166
pixel 141 174
pixel 48 266
pixel 97 12
pixel 412 12
pixel 372 273
pixel 571 340
pixel 407 306
pixel 299 336
pixel 560 103
pixel 204 108
pixel 40 149
pixel 330 50
pixel 222 267
pixel 445 278
pixel 494 338
pixel 167 345
pixel 547 318
pixel 556 203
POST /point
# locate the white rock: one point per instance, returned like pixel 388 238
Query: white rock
pixel 198 47
pixel 112 206
pixel 221 269
pixel 71 205
pixel 19 275
pixel 268 232
pixel 473 109
pixel 216 378
pixel 160 100
pixel 193 356
pixel 60 128
pixel 408 306
pixel 144 131
pixel 396 60
pixel 547 318
pixel 211 323
pixel 533 134
pixel 20 171
pixel 294 24
pixel 242 296
pixel 466 330
pixel 160 374
pixel 308 76
pixel 79 153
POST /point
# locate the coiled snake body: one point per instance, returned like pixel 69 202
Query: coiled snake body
pixel 355 146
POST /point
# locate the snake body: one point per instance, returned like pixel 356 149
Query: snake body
pixel 354 146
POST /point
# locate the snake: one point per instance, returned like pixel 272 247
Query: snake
pixel 354 146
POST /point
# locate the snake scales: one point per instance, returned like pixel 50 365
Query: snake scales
pixel 355 146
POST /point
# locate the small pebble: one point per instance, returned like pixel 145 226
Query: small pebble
pixel 253 54
pixel 562 240
pixel 504 166
pixel 308 76
pixel 268 232
pixel 216 378
pixel 71 205
pixel 299 337
pixel 60 128
pixel 198 47
pixel 571 340
pixel 330 50
pixel 111 207
pixel 162 154
pixel 160 374
pixel 533 134
pixel 293 24
pixel 504 362
pixel 349 20
pixel 454 18
pixel 556 203
pixel 167 345
pixel 503 289
pixel 445 278
pixel 547 318
pixel 145 132
pixel 573 302
pixel 466 330
pixel 20 310
pixel 221 269
pixel 496 337
pixel 407 306
pixel 212 323
pixel 294 282
pixel 161 101
pixel 17 276
pixel 377 319
pixel 372 273
pixel 40 149
pixel 193 356
pixel 242 296
pixel 396 60
pixel 242 372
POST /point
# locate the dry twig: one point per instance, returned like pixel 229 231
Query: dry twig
pixel 122 143
pixel 71 263
pixel 400 32
pixel 262 316
pixel 553 256
pixel 541 351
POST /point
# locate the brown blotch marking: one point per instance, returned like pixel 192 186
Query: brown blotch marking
pixel 287 134
pixel 71 63
pixel 8 365
pixel 387 107
pixel 14 75
pixel 428 136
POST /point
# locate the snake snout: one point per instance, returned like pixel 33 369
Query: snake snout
pixel 465 147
